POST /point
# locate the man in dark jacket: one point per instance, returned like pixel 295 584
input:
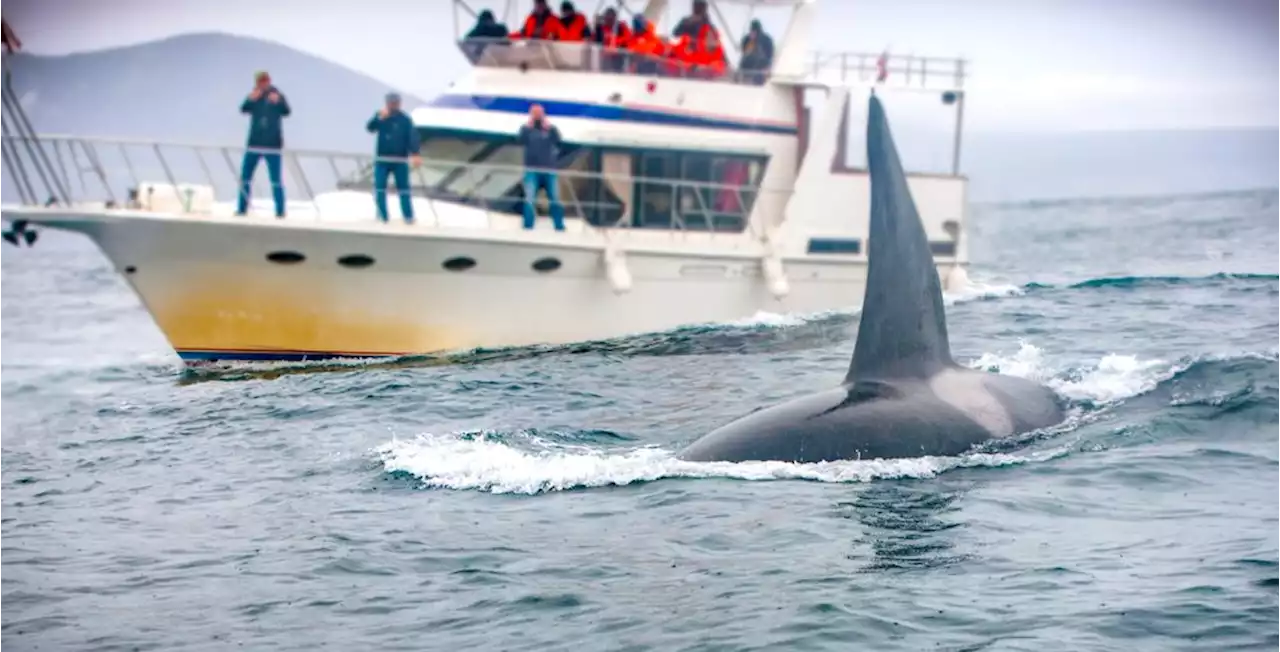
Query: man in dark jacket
pixel 541 142
pixel 757 54
pixel 397 144
pixel 487 30
pixel 266 107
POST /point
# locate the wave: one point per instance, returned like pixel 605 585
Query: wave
pixel 1149 281
pixel 742 335
pixel 531 462
pixel 693 339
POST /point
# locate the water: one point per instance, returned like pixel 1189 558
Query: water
pixel 529 500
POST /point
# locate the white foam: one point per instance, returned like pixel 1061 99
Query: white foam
pixel 483 464
pixel 1115 377
pixel 976 290
pixel 774 320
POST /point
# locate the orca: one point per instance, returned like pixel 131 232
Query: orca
pixel 903 395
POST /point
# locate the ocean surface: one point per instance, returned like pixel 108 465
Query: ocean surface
pixel 529 499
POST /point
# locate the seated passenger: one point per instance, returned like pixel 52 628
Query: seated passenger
pixel 487 30
pixel 697 48
pixel 708 59
pixel 573 25
pixel 613 36
pixel 646 48
pixel 757 54
pixel 541 24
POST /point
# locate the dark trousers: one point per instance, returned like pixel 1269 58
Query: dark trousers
pixel 400 171
pixel 248 167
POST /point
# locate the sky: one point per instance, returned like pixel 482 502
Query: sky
pixel 1037 65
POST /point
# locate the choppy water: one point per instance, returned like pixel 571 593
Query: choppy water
pixel 529 500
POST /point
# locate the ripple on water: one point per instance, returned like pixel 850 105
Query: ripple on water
pixel 530 498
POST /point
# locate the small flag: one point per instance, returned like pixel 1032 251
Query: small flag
pixel 10 40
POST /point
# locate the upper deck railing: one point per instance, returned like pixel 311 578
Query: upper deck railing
pixel 821 68
pixel 193 179
pixel 892 70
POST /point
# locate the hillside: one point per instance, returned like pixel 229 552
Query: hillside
pixel 188 88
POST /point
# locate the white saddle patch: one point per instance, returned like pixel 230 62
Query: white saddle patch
pixel 967 393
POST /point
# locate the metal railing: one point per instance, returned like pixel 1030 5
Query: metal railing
pixel 581 56
pixel 893 70
pixel 197 179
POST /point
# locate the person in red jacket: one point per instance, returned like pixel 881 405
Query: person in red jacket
pixel 613 36
pixel 646 47
pixel 541 24
pixel 573 25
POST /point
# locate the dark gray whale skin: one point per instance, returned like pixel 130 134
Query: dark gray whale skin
pixel 903 396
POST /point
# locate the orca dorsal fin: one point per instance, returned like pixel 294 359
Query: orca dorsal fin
pixel 903 328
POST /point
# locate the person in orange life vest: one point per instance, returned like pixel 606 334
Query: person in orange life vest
pixel 645 45
pixel 708 59
pixel 541 23
pixel 698 44
pixel 573 25
pixel 613 37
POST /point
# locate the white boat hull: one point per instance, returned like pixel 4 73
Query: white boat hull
pixel 213 292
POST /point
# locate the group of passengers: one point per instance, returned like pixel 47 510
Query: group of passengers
pixel 694 49
pixel 397 147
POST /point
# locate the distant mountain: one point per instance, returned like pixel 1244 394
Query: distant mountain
pixel 188 88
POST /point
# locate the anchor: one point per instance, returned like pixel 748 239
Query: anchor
pixel 19 233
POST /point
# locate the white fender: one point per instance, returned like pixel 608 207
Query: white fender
pixel 775 275
pixel 957 279
pixel 615 265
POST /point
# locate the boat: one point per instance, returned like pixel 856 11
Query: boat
pixel 689 199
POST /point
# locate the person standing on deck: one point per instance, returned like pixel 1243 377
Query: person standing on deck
pixel 398 143
pixel 541 141
pixel 266 107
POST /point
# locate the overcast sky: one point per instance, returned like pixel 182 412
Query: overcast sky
pixel 1037 64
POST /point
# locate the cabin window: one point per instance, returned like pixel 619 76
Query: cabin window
pixel 607 187
pixel 718 195
pixel 459 263
pixel 356 261
pixel 851 246
pixel 286 257
pixel 943 247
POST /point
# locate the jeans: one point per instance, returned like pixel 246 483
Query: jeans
pixel 400 171
pixel 248 167
pixel 534 179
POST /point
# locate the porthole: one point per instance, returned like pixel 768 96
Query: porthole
pixel 356 261
pixel 285 257
pixel 546 264
pixel 459 264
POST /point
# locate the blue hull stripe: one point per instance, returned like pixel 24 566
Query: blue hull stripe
pixel 272 356
pixel 558 108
